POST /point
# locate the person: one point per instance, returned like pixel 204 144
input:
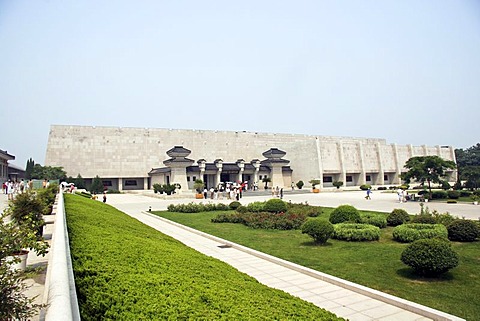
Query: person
pixel 369 191
pixel 293 186
pixel 205 192
pixel 400 194
pixel 281 193
pixel 22 186
pixel 104 197
pixel 10 190
pixel 44 184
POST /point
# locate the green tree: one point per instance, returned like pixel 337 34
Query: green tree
pixel 97 185
pixel 468 157
pixel 48 172
pixel 430 169
pixel 472 176
pixel 29 168
pixel 79 182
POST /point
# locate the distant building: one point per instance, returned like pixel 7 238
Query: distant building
pixel 136 158
pixel 4 158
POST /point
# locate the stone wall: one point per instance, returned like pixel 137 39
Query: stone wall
pixel 112 152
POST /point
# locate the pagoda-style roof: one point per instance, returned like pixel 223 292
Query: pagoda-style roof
pixel 178 152
pixel 274 153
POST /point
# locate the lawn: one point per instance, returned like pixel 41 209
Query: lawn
pixel 373 264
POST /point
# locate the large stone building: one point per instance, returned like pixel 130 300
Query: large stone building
pixel 4 166
pixel 135 158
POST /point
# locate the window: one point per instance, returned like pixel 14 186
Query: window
pixel 349 178
pixel 188 178
pixel 385 177
pixel 107 183
pixel 131 182
pixel 327 179
pixel 194 178
pixel 368 178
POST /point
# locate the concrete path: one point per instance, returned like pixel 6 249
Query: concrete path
pixel 343 298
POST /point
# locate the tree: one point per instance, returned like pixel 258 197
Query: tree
pixel 48 172
pixel 79 182
pixel 430 169
pixel 472 176
pixel 29 168
pixel 468 157
pixel 266 180
pixel 97 185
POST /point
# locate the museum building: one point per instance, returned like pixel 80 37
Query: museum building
pixel 137 158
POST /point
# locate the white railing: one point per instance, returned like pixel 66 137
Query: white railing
pixel 61 298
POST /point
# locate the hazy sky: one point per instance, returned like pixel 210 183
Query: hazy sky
pixel 407 71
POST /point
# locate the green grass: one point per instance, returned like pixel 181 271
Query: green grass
pixel 126 270
pixel 374 264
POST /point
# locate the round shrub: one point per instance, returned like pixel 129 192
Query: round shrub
pixel 423 219
pixel 222 207
pixel 397 217
pixel 256 207
pixel 407 233
pixel 382 188
pixel 463 231
pixel 275 205
pixel 439 195
pixel 364 187
pixel 356 232
pixel 453 195
pixel 319 230
pixel 451 202
pixel 430 257
pixel 465 193
pixel 233 205
pixel 242 209
pixel 344 213
pixel 378 220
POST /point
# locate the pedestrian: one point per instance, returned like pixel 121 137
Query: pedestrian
pixel 369 191
pixel 104 197
pixel 281 193
pixel 400 195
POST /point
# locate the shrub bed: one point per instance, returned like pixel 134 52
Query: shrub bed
pixel 197 207
pixel 125 270
pixel 426 218
pixel 430 257
pixel 308 210
pixel 344 213
pixel 378 220
pixel 356 232
pixel 407 233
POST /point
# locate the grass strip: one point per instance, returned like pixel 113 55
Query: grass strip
pixel 125 270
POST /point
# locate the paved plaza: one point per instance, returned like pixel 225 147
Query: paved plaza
pixel 344 298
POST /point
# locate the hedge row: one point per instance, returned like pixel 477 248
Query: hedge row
pixel 125 270
pixel 197 207
pixel 264 220
pixel 415 231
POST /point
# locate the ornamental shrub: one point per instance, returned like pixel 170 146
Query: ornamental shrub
pixel 256 207
pixel 426 218
pixel 221 207
pixel 242 209
pixel 397 217
pixel 356 232
pixel 300 184
pixel 364 187
pixel 275 205
pixel 374 219
pixel 430 257
pixel 453 195
pixel 407 233
pixel 465 193
pixel 382 188
pixel 228 218
pixel 444 218
pixel 233 205
pixel 309 210
pixel 319 230
pixel 439 195
pixel 451 202
pixel 274 221
pixel 344 213
pixel 463 231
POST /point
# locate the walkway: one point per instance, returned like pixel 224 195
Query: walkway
pixel 341 297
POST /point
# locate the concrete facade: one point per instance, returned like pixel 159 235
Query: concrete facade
pixel 4 166
pixel 125 156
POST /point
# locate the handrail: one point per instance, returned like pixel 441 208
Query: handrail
pixel 62 304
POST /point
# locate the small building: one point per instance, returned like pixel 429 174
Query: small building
pixel 4 166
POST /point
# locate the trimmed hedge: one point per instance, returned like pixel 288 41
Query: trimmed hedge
pixel 233 205
pixel 430 257
pixel 308 210
pixel 397 217
pixel 356 232
pixel 344 213
pixel 319 230
pixel 423 219
pixel 197 207
pixel 375 219
pixel 275 205
pixel 463 231
pixel 125 270
pixel 256 207
pixel 407 233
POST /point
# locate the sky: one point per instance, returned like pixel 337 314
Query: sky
pixel 405 71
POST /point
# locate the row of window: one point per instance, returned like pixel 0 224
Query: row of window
pixel 349 178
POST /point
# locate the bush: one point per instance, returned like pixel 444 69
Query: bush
pixel 463 231
pixel 430 257
pixel 256 207
pixel 378 220
pixel 444 219
pixel 308 210
pixel 274 221
pixel 300 184
pixel 228 218
pixel 337 184
pixel 398 217
pixel 453 195
pixel 275 205
pixel 465 193
pixel 319 230
pixel 451 202
pixel 407 233
pixel 356 232
pixel 344 213
pixel 233 205
pixel 436 195
pixel 382 188
pixel 242 209
pixel 364 187
pixel 426 218
pixel 221 207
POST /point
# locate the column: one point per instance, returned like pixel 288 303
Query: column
pixel 362 179
pixel 320 163
pixel 398 170
pixel 343 175
pixel 381 173
pixel 256 164
pixel 218 177
pixel 241 165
